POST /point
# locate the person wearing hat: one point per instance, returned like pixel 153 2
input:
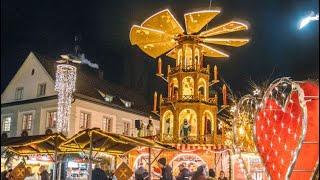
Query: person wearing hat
pixel 166 169
pixel 184 173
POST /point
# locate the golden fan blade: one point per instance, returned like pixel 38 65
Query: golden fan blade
pixel 173 53
pixel 156 49
pixel 212 52
pixel 163 21
pixel 142 35
pixel 195 21
pixel 228 27
pixel 226 41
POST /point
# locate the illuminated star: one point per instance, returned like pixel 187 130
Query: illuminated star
pixel 306 20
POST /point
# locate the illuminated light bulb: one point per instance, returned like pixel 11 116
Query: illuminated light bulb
pixel 268 122
pixel 291 101
pixel 276 153
pixel 283 109
pixel 291 115
pixel 264 113
pixel 271 144
pixel 266 136
pixel 270 107
pixel 285 146
pixel 256 92
pixel 275 117
pixel 283 95
pixel 295 136
pixel 273 167
pixel 233 109
pixel 289 131
pixel 241 131
pixel 279 175
pixel 285 85
pixel 279 139
pixel 276 88
pixel 274 131
pixel 258 138
pixel 298 119
pixel 268 157
pixel 282 125
pixel 262 148
pixel 262 127
pixel 258 118
pixel 282 162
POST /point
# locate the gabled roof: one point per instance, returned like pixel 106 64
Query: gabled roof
pixel 88 84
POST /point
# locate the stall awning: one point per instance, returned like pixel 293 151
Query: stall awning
pixel 109 142
pixel 38 144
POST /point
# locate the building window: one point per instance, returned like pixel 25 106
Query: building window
pixel 52 119
pixel 41 89
pixel 6 123
pixel 27 121
pixel 19 93
pixel 84 120
pixel 126 128
pixel 107 124
pixel 32 72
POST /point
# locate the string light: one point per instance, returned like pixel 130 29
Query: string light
pixel 65 85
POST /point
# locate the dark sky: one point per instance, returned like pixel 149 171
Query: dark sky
pixel 48 27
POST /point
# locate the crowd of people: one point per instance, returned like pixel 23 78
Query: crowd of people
pixel 184 173
pixel 29 175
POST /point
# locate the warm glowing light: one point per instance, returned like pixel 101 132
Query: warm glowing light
pixel 65 85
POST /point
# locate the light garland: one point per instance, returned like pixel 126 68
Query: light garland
pixel 65 85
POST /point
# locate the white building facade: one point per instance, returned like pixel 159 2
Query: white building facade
pixel 29 102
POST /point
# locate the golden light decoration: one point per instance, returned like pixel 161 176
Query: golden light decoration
pixel 243 123
pixel 161 33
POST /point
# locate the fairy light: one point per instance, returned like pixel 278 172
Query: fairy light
pixel 65 85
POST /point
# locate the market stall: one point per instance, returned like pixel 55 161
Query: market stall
pixel 97 141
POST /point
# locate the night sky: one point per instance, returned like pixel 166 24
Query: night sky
pixel 48 27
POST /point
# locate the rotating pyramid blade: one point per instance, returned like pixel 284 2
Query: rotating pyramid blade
pixel 212 52
pixel 226 41
pixel 142 35
pixel 228 27
pixel 195 21
pixel 163 21
pixel 156 49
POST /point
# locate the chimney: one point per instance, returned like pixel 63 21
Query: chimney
pixel 100 74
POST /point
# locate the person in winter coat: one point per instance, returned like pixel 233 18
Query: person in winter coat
pixel 184 173
pixel 222 176
pixel 140 173
pixel 166 169
pixel 44 175
pixel 30 175
pixel 200 174
pixel 212 175
pixel 98 173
